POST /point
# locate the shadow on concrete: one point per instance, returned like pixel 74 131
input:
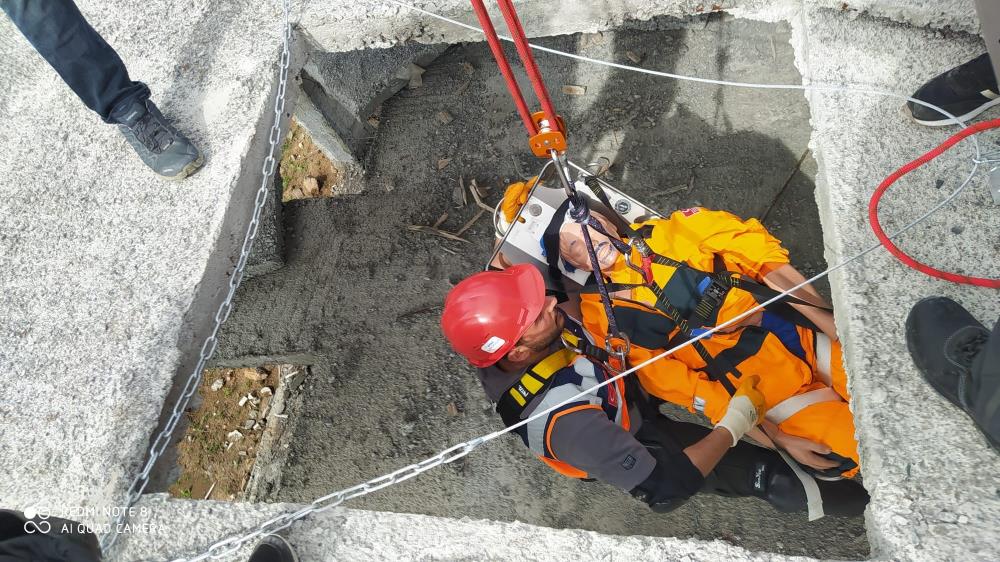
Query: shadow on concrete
pixel 362 294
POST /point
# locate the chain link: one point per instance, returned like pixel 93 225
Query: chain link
pixel 210 344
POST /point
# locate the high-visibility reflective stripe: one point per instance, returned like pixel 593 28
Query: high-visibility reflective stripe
pixel 517 396
pixel 791 406
pixel 824 355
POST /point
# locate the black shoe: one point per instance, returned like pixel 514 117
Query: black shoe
pixel 273 548
pixel 947 345
pixel 964 91
pixel 164 149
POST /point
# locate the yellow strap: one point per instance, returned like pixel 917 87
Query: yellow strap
pixel 543 370
pixel 570 338
pixel 548 366
pixel 531 383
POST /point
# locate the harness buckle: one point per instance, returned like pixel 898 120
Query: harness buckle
pixel 618 348
pixel 646 253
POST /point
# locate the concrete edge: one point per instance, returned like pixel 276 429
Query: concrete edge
pixel 198 322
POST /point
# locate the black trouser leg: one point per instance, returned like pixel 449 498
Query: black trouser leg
pixel 985 392
pixel 748 470
pixel 84 60
pixel 989 22
pixel 45 538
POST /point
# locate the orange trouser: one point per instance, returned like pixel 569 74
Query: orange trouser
pixel 682 379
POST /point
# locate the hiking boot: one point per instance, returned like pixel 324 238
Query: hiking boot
pixel 954 353
pixel 273 548
pixel 164 149
pixel 964 91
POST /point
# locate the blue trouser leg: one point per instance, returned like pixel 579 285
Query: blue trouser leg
pixel 84 60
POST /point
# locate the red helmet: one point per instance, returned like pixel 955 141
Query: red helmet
pixel 485 315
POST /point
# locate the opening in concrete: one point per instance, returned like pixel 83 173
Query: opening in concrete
pixel 360 291
pixel 236 432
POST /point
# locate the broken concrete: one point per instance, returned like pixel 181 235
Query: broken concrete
pixel 932 477
pixel 347 88
pixel 331 145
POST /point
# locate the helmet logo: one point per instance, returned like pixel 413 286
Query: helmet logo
pixel 493 344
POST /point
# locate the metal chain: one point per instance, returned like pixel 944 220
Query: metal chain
pixel 229 546
pixel 210 344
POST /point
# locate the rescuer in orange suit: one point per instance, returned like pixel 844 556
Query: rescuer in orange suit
pixel 792 347
pixel 532 357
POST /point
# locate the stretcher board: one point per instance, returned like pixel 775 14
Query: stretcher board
pixel 524 244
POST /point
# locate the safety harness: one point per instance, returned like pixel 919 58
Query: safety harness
pixel 701 293
pixel 542 378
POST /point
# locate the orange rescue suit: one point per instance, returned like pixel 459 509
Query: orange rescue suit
pixel 792 362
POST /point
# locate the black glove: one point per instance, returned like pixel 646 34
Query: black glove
pixel 673 480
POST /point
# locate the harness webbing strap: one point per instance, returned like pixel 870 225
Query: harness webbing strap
pixel 749 343
pixel 814 499
pixel 599 277
pixel 734 281
pixel 584 347
pixel 535 382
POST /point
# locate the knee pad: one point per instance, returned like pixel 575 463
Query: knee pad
pixel 778 484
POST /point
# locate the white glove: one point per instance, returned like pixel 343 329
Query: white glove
pixel 745 409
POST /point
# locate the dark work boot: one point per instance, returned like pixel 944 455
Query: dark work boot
pixel 959 358
pixel 273 548
pixel 164 149
pixel 964 91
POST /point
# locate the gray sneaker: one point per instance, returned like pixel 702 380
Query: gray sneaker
pixel 162 147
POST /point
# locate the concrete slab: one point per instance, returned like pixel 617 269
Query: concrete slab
pixel 959 15
pixel 348 24
pixel 345 25
pixel 354 535
pixel 932 478
pixel 328 141
pixel 347 88
pixel 103 261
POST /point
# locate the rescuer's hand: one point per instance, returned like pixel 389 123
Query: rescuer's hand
pixel 746 408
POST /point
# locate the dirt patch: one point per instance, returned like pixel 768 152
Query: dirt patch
pixel 305 171
pixel 217 453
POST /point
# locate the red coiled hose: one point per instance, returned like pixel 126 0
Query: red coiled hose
pixel 887 182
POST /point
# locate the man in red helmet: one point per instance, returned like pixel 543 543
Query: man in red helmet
pixel 532 358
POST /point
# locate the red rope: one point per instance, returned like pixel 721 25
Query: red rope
pixel 884 186
pixel 508 75
pixel 524 50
